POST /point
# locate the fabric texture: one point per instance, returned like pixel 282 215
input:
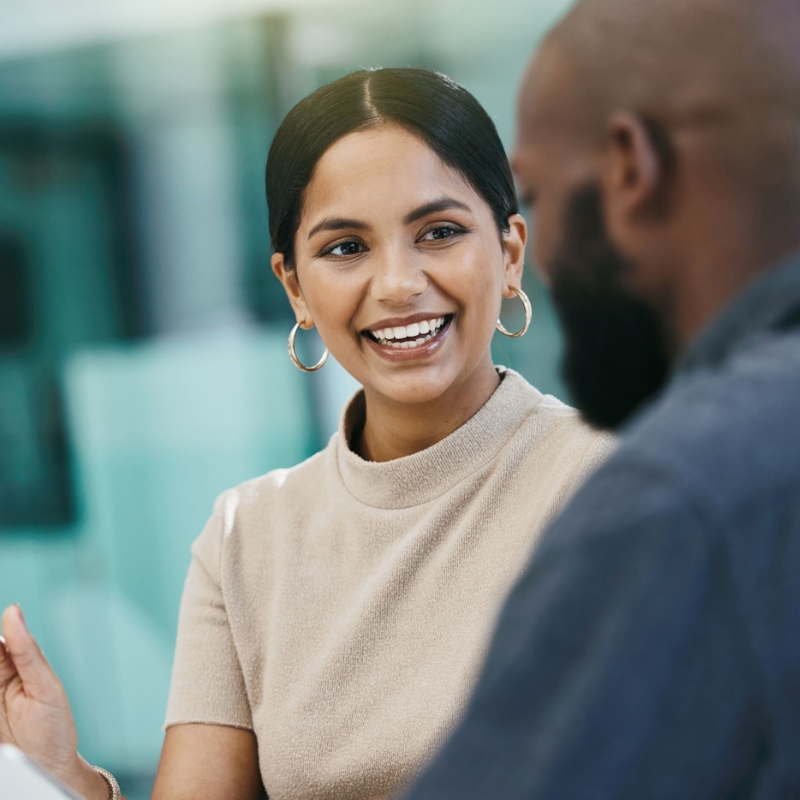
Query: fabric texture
pixel 341 609
pixel 652 648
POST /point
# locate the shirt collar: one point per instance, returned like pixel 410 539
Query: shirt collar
pixel 771 303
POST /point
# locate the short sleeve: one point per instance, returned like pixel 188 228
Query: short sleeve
pixel 207 682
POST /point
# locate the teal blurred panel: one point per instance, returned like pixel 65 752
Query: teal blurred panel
pixel 34 567
pixel 116 666
pixel 159 429
pixel 21 579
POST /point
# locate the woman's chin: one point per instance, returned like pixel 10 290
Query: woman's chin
pixel 413 388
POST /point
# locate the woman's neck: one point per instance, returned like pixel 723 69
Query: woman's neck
pixel 394 430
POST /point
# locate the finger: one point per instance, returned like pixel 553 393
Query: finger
pixel 7 668
pixel 38 679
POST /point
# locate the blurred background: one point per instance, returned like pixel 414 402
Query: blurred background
pixel 143 364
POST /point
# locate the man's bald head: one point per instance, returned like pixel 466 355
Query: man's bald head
pixel 684 57
pixel 725 73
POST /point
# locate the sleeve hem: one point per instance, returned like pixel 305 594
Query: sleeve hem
pixel 245 726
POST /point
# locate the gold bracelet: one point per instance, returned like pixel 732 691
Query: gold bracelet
pixel 113 786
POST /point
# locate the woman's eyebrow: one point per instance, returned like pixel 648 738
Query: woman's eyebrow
pixel 337 224
pixel 435 207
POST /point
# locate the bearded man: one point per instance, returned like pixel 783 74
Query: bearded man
pixel 652 649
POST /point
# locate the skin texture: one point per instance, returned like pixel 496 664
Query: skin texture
pixel 396 268
pixel 208 762
pixel 703 213
pixel 446 262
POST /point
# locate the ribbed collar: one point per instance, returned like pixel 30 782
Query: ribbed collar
pixel 414 480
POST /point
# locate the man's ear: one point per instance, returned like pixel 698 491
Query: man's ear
pixel 291 285
pixel 634 174
pixel 514 249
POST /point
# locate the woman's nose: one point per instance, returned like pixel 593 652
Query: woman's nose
pixel 398 280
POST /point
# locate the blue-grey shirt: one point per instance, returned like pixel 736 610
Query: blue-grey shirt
pixel 652 649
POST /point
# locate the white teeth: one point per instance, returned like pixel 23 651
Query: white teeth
pixel 410 334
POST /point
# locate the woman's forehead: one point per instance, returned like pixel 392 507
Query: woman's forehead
pixel 376 170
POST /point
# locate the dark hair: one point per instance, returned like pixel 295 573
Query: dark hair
pixel 430 105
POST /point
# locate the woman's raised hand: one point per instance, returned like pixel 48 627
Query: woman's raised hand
pixel 34 711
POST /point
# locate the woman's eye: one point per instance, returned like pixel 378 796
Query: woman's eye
pixel 345 249
pixel 442 232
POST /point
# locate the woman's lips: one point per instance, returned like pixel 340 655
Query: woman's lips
pixel 421 347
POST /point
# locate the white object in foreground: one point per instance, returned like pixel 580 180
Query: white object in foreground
pixel 22 779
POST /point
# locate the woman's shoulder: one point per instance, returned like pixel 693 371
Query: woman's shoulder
pixel 249 506
pixel 554 450
pixel 285 483
pixel 524 395
pixel 552 422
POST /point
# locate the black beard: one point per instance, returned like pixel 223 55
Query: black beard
pixel 617 354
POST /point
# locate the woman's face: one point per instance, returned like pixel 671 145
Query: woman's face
pixel 400 265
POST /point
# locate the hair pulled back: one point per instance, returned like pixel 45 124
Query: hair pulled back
pixel 427 104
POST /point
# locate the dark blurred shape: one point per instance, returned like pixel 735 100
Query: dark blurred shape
pixel 35 482
pixel 16 324
pixel 44 157
pixel 69 276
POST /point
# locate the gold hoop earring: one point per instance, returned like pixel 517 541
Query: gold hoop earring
pixel 528 316
pixel 296 361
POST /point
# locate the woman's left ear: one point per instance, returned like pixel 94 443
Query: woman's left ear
pixel 514 242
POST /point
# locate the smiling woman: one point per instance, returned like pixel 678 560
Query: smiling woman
pixel 336 614
pixel 392 237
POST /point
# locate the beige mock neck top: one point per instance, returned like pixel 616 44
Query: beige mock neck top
pixel 342 609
